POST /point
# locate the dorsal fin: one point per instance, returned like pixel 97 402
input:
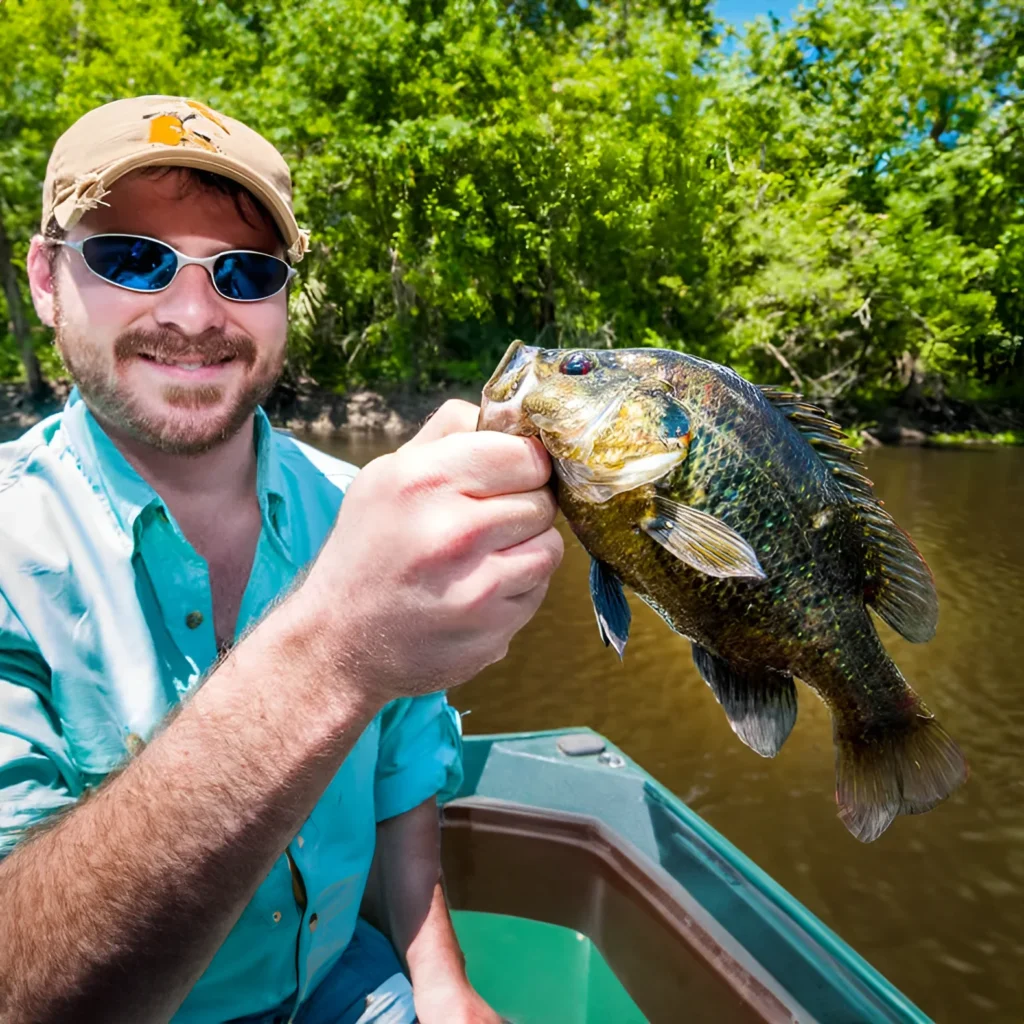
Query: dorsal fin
pixel 826 437
pixel 898 583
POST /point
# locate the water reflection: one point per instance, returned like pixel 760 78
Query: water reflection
pixel 937 903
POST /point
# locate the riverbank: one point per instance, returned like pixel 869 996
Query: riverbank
pixel 305 408
pixel 362 412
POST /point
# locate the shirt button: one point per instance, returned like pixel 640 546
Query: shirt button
pixel 277 916
pixel 300 841
pixel 312 923
pixel 194 620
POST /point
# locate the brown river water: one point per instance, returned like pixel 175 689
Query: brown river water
pixel 936 904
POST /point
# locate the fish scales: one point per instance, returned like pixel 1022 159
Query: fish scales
pixel 737 516
pixel 791 625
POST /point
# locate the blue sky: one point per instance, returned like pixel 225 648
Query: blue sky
pixel 739 11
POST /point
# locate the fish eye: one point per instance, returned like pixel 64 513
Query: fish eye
pixel 577 364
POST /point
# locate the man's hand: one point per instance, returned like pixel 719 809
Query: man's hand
pixel 448 1004
pixel 442 551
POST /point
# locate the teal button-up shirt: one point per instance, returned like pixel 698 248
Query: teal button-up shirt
pixel 106 622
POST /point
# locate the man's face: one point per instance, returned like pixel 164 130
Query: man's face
pixel 182 369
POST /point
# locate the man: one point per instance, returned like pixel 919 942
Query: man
pixel 203 851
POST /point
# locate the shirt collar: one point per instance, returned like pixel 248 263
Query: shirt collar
pixel 270 485
pixel 128 495
pixel 108 472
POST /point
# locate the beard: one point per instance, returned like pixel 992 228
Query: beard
pixel 194 417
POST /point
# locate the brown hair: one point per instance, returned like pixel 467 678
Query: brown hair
pixel 191 180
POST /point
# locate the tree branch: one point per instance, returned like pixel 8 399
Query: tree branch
pixel 785 364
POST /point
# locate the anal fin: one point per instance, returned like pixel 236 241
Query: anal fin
pixel 610 606
pixel 761 707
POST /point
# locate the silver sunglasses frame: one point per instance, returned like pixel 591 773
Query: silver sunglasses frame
pixel 206 262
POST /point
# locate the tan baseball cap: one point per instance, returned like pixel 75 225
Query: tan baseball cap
pixel 167 131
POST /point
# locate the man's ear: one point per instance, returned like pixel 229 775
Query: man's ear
pixel 42 271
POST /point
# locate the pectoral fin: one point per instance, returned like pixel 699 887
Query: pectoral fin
pixel 610 606
pixel 761 707
pixel 701 541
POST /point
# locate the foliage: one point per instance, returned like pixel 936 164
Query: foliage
pixel 835 205
pixel 969 437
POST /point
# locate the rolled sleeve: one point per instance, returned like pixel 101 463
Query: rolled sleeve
pixel 36 773
pixel 420 754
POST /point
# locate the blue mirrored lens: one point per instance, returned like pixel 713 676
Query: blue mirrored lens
pixel 137 263
pixel 249 275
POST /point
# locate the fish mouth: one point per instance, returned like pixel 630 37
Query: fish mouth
pixel 501 406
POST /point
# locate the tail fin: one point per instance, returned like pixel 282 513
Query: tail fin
pixel 906 770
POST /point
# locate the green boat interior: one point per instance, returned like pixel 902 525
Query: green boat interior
pixel 612 918
pixel 583 892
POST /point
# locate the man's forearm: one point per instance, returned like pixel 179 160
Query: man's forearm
pixel 411 901
pixel 411 906
pixel 114 912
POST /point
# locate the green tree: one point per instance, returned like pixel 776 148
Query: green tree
pixel 836 204
pixel 59 59
pixel 32 67
pixel 473 171
pixel 870 230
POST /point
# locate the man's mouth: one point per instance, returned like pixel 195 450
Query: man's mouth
pixel 188 363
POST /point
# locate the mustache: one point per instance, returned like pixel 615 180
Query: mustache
pixel 211 346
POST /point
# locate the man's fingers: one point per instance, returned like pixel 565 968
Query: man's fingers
pixel 485 463
pixel 454 417
pixel 529 565
pixel 510 519
pixel 479 464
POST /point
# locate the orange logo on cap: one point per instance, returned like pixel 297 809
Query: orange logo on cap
pixel 173 130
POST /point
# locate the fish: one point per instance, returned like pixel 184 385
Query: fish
pixel 737 512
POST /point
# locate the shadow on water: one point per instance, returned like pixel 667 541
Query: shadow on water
pixel 937 903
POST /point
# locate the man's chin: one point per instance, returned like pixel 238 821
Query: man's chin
pixel 192 420
pixel 191 431
pixel 178 423
pixel 175 417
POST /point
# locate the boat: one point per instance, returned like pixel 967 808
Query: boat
pixel 584 892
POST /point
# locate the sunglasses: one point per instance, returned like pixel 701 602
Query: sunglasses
pixel 143 264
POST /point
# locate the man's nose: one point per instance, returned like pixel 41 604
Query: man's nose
pixel 190 304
